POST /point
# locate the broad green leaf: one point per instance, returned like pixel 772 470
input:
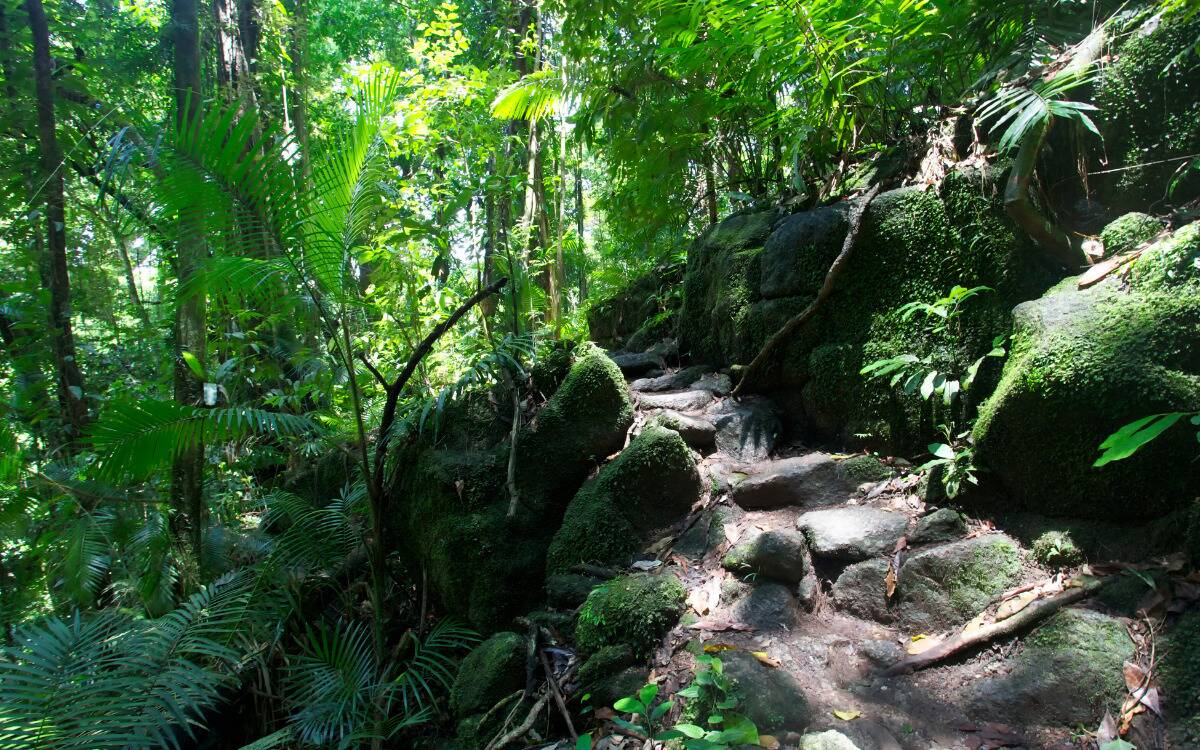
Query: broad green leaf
pixel 1129 439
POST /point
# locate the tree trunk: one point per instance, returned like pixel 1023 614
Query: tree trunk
pixel 298 101
pixel 191 313
pixel 62 339
pixel 579 225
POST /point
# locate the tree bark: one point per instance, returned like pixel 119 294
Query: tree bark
pixel 62 339
pixel 191 313
pixel 298 101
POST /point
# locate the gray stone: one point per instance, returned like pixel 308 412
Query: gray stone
pixel 569 590
pixel 797 255
pixel 861 591
pixel 812 479
pixel 1068 674
pixel 634 364
pixel 717 382
pixel 683 401
pixel 769 606
pixel 696 432
pixel 829 740
pixel 671 381
pixel 771 698
pixel 852 533
pixel 808 592
pixel 775 555
pixel 942 525
pixel 746 429
pixel 881 653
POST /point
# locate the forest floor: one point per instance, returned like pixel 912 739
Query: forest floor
pixel 871 584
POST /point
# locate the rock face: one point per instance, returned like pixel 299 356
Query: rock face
pixel 683 401
pixel 774 555
pixel 672 381
pixel 746 429
pixel 636 611
pixel 493 670
pixel 785 265
pixel 652 482
pixel 853 533
pixel 696 432
pixel 1085 363
pixel 771 698
pixel 768 606
pixel 1068 673
pixel 937 588
pixel 614 321
pixel 942 525
pixel 812 479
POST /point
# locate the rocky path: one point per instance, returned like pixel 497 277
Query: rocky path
pixel 810 574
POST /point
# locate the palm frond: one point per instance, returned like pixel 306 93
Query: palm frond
pixel 432 665
pixel 531 98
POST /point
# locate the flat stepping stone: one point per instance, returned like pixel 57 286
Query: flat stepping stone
pixel 717 382
pixel 633 365
pixel 671 381
pixel 768 606
pixel 942 525
pixel 697 432
pixel 812 479
pixel 852 534
pixel 746 429
pixel 774 555
pixel 683 401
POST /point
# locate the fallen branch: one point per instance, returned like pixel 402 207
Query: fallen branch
pixel 524 727
pixel 857 213
pixel 558 698
pixel 1035 612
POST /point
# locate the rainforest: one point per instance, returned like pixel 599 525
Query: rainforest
pixel 599 374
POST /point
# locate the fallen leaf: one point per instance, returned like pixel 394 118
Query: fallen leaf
pixel 847 715
pixel 1014 605
pixel 769 742
pixel 901 544
pixel 765 659
pixel 889 580
pixel 713 648
pixel 731 532
pixel 1108 728
pixel 1135 676
pixel 921 643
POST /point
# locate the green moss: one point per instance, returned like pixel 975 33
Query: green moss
pixel 606 662
pixel 991 569
pixel 865 468
pixel 552 365
pixel 1129 232
pixel 634 610
pixel 1180 675
pixel 1056 549
pixel 584 421
pixel 650 484
pixel 1172 262
pixel 493 670
pixel 1082 365
pixel 1149 104
pixel 654 330
pixel 1090 647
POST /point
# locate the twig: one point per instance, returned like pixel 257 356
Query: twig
pixel 857 213
pixel 1035 612
pixel 524 727
pixel 558 699
pixel 379 378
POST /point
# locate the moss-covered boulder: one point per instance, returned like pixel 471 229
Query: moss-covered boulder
pixel 636 611
pixel 1128 232
pixel 1180 675
pixel 1149 104
pixel 1083 364
pixel 582 423
pixel 1068 674
pixel 493 670
pixel 653 482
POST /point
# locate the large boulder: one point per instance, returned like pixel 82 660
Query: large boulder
pixel 777 555
pixel 652 483
pixel 852 533
pixel 811 479
pixel 493 670
pixel 1083 364
pixel 1068 673
pixel 635 611
pixel 771 698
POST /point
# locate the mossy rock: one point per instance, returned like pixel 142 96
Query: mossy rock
pixel 1149 104
pixel 654 330
pixel 1173 262
pixel 1129 232
pixel 1180 675
pixel 1056 549
pixel 1083 364
pixel 613 320
pixel 653 482
pixel 493 670
pixel 948 585
pixel 1068 673
pixel 606 662
pixel 584 421
pixel 636 611
pixel 552 365
pixel 865 469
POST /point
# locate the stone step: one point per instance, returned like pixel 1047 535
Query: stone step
pixel 811 479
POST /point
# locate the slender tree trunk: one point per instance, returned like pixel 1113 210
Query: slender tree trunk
pixel 298 100
pixel 187 491
pixel 62 339
pixel 579 225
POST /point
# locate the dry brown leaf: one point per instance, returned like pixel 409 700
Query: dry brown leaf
pixel 713 648
pixel 921 643
pixel 1014 605
pixel 765 659
pixel 889 580
pixel 768 741
pixel 1135 676
pixel 1107 732
pixel 732 532
pixel 847 715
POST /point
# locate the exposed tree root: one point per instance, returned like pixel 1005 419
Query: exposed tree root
pixel 857 213
pixel 520 730
pixel 1035 612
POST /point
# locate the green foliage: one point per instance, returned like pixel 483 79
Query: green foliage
pixel 1023 110
pixel 644 710
pixel 955 462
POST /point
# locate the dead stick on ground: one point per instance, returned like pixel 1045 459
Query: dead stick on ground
pixel 558 699
pixel 857 212
pixel 525 726
pixel 1035 612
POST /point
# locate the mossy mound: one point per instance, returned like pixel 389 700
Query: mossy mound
pixel 582 423
pixel 1128 232
pixel 864 469
pixel 636 611
pixel 1149 104
pixel 948 585
pixel 493 670
pixel 1180 676
pixel 1056 549
pixel 613 321
pixel 1085 363
pixel 653 482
